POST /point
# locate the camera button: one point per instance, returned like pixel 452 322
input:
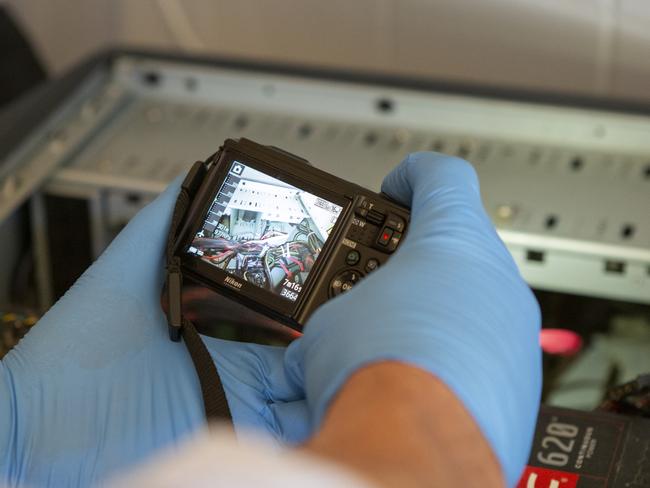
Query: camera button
pixel 385 236
pixel 347 285
pixel 361 211
pixel 371 265
pixel 344 282
pixel 395 222
pixel 353 257
pixel 375 216
pixel 364 203
pixel 394 241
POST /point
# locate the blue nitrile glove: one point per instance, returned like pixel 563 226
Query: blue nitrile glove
pixel 450 300
pixel 97 385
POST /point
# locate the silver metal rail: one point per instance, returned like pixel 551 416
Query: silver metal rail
pixel 567 188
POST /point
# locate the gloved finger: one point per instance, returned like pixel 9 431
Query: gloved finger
pixel 134 260
pixel 424 177
pixel 444 195
pixel 264 369
pixel 291 421
pixel 260 393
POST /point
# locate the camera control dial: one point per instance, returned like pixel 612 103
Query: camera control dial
pixel 344 281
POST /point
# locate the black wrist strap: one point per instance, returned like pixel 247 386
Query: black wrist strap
pixel 214 396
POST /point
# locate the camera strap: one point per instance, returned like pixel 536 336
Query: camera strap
pixel 214 396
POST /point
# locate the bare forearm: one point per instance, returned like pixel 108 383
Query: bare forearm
pixel 400 426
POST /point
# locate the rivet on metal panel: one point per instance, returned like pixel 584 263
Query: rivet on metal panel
pixel 400 137
pixel 627 231
pixel 438 145
pixel 151 78
pixel 465 148
pixel 576 163
pixel 305 130
pixel 133 198
pixel 646 172
pixel 551 222
pixel 240 122
pixel 370 138
pixel 505 213
pixel 385 105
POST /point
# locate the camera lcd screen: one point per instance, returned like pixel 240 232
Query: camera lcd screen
pixel 265 231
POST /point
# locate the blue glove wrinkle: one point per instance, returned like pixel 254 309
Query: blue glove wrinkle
pixel 282 418
pixel 265 387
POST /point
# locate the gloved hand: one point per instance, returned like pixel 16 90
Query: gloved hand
pixel 450 300
pixel 97 385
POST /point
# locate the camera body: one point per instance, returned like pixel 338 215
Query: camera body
pixel 270 231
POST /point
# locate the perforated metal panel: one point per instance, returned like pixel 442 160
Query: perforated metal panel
pixel 568 188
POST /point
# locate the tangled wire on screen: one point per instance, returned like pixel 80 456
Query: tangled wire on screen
pixel 259 261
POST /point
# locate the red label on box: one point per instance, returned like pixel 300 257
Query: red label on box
pixel 534 477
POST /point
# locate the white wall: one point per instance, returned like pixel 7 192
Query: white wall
pixel 585 46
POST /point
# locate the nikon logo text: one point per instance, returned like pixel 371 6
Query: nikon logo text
pixel 233 282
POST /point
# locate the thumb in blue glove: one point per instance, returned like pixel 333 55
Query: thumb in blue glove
pixel 97 385
pixel 450 301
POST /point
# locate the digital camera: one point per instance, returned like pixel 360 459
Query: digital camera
pixel 266 229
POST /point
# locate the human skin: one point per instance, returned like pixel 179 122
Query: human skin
pixel 400 426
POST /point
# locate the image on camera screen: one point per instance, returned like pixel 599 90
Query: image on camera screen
pixel 265 231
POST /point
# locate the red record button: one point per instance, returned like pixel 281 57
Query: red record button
pixel 394 241
pixel 385 236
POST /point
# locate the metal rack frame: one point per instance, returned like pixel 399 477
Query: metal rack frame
pixel 566 181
